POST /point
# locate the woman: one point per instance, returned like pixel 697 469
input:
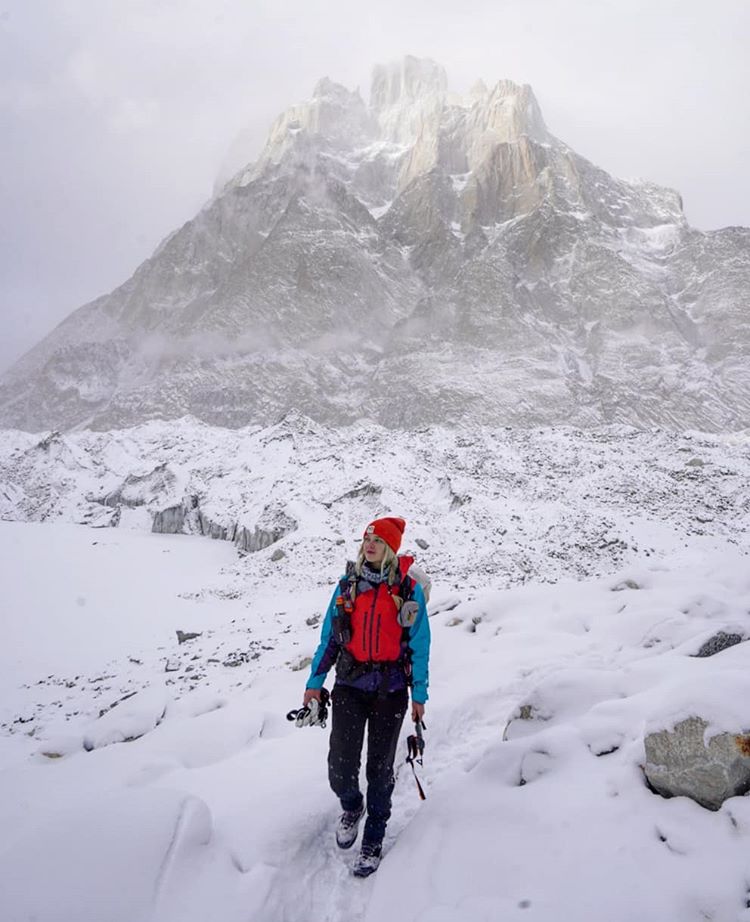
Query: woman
pixel 377 633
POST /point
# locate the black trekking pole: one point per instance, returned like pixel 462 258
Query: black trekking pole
pixel 415 753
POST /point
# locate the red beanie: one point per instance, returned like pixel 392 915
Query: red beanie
pixel 390 529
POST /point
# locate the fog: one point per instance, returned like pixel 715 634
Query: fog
pixel 117 118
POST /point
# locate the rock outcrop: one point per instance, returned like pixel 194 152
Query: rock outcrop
pixel 138 489
pixel 188 518
pixel 683 762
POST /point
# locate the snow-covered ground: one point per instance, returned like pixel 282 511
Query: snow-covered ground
pixel 495 506
pixel 146 779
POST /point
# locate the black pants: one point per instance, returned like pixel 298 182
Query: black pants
pixel 383 716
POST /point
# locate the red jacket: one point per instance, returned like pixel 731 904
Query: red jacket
pixel 376 633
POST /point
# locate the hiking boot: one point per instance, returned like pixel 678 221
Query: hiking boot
pixel 348 827
pixel 367 861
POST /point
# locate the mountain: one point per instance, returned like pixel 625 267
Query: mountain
pixel 424 258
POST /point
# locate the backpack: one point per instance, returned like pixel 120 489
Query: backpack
pixel 420 576
pixel 348 591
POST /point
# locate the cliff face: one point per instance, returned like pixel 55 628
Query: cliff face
pixel 422 258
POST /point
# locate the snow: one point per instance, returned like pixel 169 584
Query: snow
pixel 380 210
pixel 131 792
pixel 459 181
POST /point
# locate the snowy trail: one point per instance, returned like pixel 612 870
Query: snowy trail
pixel 315 880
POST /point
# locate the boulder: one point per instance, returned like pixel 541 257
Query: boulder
pixel 525 720
pixel 720 641
pixel 682 762
pixel 183 636
pixel 274 524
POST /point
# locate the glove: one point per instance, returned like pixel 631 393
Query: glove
pixel 308 716
pixel 408 614
pixel 318 714
pixel 314 715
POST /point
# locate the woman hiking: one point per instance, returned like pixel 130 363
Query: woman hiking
pixel 377 634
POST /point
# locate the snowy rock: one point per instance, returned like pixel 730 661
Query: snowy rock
pixel 140 489
pixel 182 636
pixel 626 584
pixel 561 697
pixel 363 491
pixel 720 641
pixel 524 721
pixel 278 554
pixel 59 746
pixel 684 762
pixel 274 524
pixel 129 719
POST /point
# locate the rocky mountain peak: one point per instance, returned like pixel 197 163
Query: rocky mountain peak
pixel 512 111
pixel 334 117
pixel 427 258
pixel 478 90
pixel 405 82
pixel 326 88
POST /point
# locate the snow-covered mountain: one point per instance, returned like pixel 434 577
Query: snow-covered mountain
pixel 421 258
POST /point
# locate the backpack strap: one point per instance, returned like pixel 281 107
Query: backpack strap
pixel 342 623
pixel 404 593
pixel 348 584
pixel 406 589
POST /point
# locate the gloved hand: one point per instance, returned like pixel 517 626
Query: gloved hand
pixel 408 614
pixel 310 693
pixel 314 711
pixel 309 716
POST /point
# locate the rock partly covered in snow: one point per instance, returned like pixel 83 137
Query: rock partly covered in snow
pixel 188 518
pixel 720 641
pixel 687 762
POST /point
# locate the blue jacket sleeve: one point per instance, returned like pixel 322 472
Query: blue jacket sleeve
pixel 419 644
pixel 325 655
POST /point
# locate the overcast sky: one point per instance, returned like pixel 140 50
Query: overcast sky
pixel 116 115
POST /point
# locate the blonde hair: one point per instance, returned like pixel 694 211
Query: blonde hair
pixel 389 562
